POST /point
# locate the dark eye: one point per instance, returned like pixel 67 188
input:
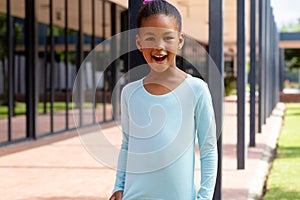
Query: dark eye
pixel 150 39
pixel 168 38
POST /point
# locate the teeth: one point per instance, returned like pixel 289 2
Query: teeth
pixel 160 56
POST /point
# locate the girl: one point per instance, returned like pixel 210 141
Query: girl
pixel 161 114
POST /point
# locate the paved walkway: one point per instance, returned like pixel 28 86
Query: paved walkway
pixel 60 168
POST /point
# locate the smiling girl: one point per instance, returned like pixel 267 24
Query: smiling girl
pixel 161 115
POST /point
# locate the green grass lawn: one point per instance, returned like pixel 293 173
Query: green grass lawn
pixel 284 180
pixel 20 108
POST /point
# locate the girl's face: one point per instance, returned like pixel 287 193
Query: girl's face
pixel 159 41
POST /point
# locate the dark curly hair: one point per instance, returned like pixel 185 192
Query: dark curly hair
pixel 157 7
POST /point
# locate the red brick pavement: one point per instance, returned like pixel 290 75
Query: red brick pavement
pixel 60 167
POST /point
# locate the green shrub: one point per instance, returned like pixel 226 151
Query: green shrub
pixel 230 85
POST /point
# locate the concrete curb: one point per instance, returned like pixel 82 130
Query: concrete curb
pixel 273 125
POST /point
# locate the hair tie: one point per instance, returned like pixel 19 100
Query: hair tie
pixel 147 1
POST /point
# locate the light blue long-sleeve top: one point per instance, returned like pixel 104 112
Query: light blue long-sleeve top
pixel 157 156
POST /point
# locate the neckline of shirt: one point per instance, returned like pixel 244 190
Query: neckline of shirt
pixel 166 94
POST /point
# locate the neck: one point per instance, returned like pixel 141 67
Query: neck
pixel 171 74
pixel 159 83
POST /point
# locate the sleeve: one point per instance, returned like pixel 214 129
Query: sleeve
pixel 121 170
pixel 207 143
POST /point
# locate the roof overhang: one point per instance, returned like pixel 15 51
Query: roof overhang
pixel 290 40
pixel 194 13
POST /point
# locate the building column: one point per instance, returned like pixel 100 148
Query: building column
pixel 262 63
pixel 252 76
pixel 10 67
pixel 79 58
pixel 31 71
pixel 241 82
pixel 216 77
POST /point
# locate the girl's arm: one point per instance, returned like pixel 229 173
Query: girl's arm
pixel 121 170
pixel 207 142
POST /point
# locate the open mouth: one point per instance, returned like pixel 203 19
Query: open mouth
pixel 159 58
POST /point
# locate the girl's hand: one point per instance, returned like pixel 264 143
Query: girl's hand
pixel 117 195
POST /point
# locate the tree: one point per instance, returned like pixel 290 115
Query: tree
pixel 292 58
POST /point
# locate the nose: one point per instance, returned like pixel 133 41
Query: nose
pixel 159 45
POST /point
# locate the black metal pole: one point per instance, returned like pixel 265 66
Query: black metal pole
pixel 93 42
pixel 67 100
pixel 14 63
pixel 104 71
pixel 114 44
pixel 19 74
pixel 272 86
pixel 31 61
pixel 252 72
pixel 93 39
pixel 262 58
pixel 241 73
pixel 276 64
pixel 281 66
pixel 113 65
pixel 45 72
pixel 278 68
pixel 270 69
pixel 216 52
pixel 267 61
pixel 10 66
pixel 51 67
pixel 78 62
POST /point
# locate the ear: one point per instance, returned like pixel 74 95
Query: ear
pixel 138 42
pixel 181 41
